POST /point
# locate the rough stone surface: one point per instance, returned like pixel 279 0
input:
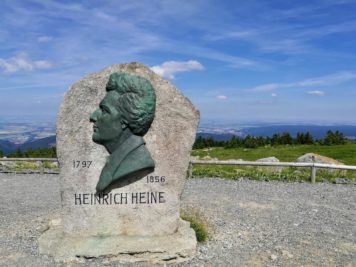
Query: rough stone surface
pixel 271 169
pixel 269 159
pixel 169 141
pixel 312 157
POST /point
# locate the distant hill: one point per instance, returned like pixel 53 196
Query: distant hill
pixel 317 131
pixel 39 143
pixel 8 147
pixel 216 136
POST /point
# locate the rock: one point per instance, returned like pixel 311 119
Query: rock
pixel 271 169
pixel 140 220
pixel 273 257
pixel 287 254
pixel 312 157
pixel 343 181
pixel 269 159
pixel 209 158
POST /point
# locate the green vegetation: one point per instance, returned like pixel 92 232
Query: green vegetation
pixel 344 153
pixel 197 222
pixel 34 153
pixel 249 141
pixel 269 173
pixel 21 166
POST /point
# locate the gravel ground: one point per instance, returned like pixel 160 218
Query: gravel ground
pixel 252 223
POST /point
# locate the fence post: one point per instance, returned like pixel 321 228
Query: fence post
pixel 42 167
pixel 312 171
pixel 190 170
pixel 312 174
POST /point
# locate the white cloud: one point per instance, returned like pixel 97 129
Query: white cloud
pixel 266 87
pixel 274 94
pixel 327 80
pixel 331 79
pixel 169 68
pixel 222 97
pixel 22 62
pixel 44 39
pixel 316 92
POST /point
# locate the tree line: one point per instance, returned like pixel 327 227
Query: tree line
pixel 331 138
pixel 32 153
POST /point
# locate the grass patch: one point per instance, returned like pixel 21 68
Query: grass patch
pixel 288 153
pixel 254 173
pixel 50 165
pixel 197 222
pixel 23 165
pixel 343 153
pixel 19 166
pixel 269 173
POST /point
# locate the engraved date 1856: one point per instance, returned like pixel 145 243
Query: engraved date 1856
pixel 155 179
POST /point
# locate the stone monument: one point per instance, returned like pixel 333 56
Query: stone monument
pixel 124 137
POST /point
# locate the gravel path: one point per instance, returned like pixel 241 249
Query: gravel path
pixel 253 223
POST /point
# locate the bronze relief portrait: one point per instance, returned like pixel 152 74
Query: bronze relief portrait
pixel 124 116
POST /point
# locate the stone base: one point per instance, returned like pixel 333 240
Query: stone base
pixel 178 247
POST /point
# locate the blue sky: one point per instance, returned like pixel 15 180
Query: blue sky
pixel 240 61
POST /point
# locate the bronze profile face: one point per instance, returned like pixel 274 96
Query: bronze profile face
pixel 124 115
pixel 107 120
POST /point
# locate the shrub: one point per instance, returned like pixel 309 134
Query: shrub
pixel 197 222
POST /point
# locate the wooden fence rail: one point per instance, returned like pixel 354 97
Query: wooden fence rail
pixel 312 165
pixel 41 160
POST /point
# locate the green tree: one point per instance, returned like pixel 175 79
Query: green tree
pixel 304 139
pixel 332 138
pixel 18 153
pixel 234 142
pixel 250 142
pixel 35 153
pixel 308 139
pixel 199 143
pixel 275 140
pixel 285 139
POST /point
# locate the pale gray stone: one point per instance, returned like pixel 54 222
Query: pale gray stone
pixel 169 141
pixel 271 169
pixel 273 257
pixel 312 157
pixel 269 159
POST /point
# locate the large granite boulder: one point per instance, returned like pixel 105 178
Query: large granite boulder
pixel 140 220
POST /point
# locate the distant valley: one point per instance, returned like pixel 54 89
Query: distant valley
pixel 222 133
pixel 26 135
pixel 42 135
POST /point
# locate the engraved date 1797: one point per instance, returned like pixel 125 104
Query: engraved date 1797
pixel 81 164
